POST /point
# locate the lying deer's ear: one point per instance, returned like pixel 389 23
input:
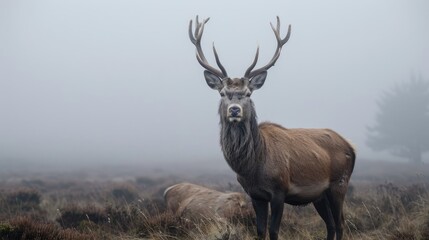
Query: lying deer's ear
pixel 257 81
pixel 213 81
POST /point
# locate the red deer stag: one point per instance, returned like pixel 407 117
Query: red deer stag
pixel 196 202
pixel 277 165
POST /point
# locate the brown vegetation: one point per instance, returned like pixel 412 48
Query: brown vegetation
pixel 55 208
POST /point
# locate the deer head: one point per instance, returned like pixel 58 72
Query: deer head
pixel 236 104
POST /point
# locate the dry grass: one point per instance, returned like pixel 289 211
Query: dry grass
pixel 45 208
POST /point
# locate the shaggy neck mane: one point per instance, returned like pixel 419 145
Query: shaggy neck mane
pixel 241 144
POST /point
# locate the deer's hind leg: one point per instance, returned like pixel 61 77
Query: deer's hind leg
pixel 323 208
pixel 336 195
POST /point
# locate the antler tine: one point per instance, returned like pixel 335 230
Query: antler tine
pixel 196 40
pixel 280 42
pixel 255 60
pixel 218 62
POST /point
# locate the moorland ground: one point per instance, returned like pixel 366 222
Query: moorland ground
pixel 385 201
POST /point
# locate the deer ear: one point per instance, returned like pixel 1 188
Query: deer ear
pixel 257 81
pixel 213 81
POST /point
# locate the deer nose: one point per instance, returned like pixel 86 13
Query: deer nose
pixel 234 111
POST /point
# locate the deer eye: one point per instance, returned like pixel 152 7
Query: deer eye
pixel 248 94
pixel 222 94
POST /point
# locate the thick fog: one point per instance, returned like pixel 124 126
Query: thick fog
pixel 104 81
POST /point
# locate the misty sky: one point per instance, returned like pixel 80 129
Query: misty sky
pixel 117 81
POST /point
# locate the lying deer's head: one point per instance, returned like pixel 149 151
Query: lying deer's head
pixel 235 92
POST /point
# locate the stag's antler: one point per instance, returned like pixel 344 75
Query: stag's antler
pixel 196 40
pixel 280 42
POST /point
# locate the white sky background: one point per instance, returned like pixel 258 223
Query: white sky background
pixel 90 81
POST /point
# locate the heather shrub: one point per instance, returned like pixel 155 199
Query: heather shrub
pixel 26 228
pixel 72 216
pixel 124 193
pixel 25 197
pixel 124 217
pixel 21 202
pixel 406 232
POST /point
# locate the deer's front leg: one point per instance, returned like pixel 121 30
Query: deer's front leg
pixel 261 210
pixel 277 204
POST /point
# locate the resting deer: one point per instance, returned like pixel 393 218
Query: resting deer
pixel 277 165
pixel 197 202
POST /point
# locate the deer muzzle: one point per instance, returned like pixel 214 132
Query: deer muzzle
pixel 234 113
